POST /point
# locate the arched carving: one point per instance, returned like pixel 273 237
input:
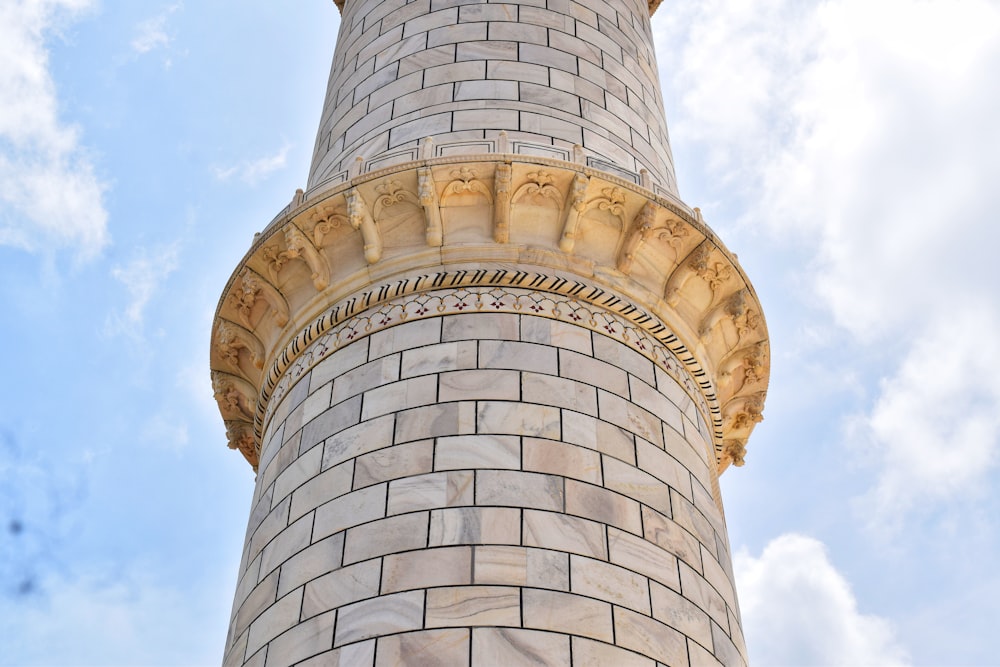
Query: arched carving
pixel 230 338
pixel 642 230
pixel 539 185
pixel 297 246
pixel 612 200
pixel 744 367
pixel 244 296
pixel 236 397
pixel 674 232
pixel 733 306
pixel 391 193
pixel 465 180
pixel 324 221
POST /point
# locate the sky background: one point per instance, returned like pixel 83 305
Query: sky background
pixel 847 150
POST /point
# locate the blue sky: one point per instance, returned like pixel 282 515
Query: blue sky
pixel 848 152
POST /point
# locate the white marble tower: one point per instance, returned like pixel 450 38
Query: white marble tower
pixel 487 366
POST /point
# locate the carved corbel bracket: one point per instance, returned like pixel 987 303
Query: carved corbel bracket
pixel 236 397
pixel 714 273
pixel 240 436
pixel 501 208
pixel 733 452
pixel 693 263
pixel 743 412
pixel 734 307
pixel 432 207
pixel 747 322
pixel 230 338
pixel 248 288
pixel 673 232
pixel 576 204
pixel 642 229
pixel 747 364
pixel 361 219
pixel 298 246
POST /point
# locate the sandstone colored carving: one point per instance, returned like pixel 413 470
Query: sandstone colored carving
pixel 432 208
pixel 642 230
pixel 501 223
pixel 575 206
pixel 324 223
pixel 361 220
pixel 231 338
pixel 466 180
pixel 251 287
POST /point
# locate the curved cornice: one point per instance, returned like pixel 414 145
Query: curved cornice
pixel 522 222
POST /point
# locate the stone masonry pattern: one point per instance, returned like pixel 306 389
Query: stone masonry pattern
pixel 556 73
pixel 488 489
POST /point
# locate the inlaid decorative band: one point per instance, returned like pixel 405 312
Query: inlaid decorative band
pixel 490 290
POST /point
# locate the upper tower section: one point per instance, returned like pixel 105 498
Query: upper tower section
pixel 574 81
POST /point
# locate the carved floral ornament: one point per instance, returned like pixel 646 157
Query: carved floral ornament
pixel 324 221
pixel 465 180
pixel 246 293
pixel 686 278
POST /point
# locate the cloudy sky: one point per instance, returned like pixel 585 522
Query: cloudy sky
pixel 848 150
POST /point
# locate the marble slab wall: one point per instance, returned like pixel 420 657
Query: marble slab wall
pixel 561 73
pixel 485 489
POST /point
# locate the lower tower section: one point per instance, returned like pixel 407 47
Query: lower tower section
pixel 464 477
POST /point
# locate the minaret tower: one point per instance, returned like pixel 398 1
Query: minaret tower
pixel 487 366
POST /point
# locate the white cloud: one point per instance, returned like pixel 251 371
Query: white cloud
pixel 936 426
pixel 252 172
pixel 799 610
pixel 141 276
pixel 731 61
pixel 50 196
pixel 867 131
pixel 151 33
